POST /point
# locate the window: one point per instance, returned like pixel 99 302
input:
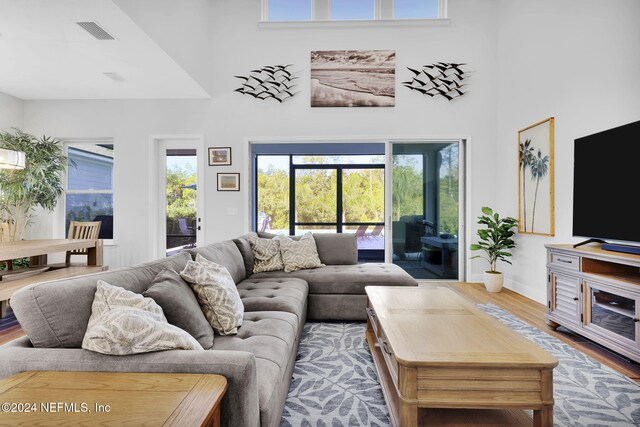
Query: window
pixel 352 9
pixel 89 192
pixel 342 193
pixel 415 9
pixel 289 10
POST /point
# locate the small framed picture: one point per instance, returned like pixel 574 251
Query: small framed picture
pixel 219 156
pixel 228 182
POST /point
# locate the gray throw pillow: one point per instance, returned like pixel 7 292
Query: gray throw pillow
pixel 299 255
pixel 244 246
pixel 123 322
pixel 180 305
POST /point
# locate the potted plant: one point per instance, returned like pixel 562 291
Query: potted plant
pixel 38 184
pixel 495 241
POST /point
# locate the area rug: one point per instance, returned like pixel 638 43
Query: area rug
pixel 335 383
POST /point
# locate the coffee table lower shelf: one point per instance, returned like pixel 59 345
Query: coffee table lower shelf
pixel 441 417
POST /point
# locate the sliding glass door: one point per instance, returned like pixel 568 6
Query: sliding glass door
pixel 426 196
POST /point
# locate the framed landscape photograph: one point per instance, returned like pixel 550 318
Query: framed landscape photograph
pixel 219 156
pixel 228 182
pixel 353 78
pixel 535 179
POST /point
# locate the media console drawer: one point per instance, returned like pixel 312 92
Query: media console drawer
pixel 564 261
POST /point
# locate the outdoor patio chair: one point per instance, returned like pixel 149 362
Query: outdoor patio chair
pixel 377 231
pixel 361 231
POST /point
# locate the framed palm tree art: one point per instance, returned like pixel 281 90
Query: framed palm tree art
pixel 535 179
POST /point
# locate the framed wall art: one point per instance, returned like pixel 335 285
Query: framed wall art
pixel 228 182
pixel 219 156
pixel 353 78
pixel 535 179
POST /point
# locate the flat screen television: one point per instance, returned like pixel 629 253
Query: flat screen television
pixel 606 185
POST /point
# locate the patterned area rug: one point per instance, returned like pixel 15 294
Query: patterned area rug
pixel 335 383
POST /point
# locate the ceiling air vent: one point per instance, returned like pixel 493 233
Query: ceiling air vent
pixel 96 30
pixel 114 76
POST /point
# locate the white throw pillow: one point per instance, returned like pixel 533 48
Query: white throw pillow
pixel 299 254
pixel 123 322
pixel 216 293
pixel 266 254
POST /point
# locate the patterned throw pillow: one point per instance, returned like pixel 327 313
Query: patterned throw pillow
pixel 216 293
pixel 266 254
pixel 123 322
pixel 301 254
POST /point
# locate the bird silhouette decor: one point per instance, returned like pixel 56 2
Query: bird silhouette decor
pixel 445 79
pixel 269 82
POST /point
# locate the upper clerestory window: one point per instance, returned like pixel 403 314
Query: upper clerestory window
pixel 351 10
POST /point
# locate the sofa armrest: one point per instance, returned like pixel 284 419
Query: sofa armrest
pixel 239 406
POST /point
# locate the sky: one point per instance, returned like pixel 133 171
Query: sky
pixel 300 10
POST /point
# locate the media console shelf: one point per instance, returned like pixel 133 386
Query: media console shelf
pixel 595 293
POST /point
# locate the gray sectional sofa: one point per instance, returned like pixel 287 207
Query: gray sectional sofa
pixel 257 362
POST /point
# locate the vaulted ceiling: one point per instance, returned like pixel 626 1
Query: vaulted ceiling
pixel 45 54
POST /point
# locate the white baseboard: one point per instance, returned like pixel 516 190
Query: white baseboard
pixel 538 295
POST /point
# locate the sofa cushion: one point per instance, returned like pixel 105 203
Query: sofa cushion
pixel 180 305
pixel 56 313
pixel 337 248
pixel 224 253
pixel 216 293
pixel 271 337
pixel 299 254
pixel 288 295
pixel 123 322
pixel 346 279
pixel 244 246
pixel 266 254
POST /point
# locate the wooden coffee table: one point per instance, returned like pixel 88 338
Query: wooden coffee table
pixel 46 398
pixel 434 349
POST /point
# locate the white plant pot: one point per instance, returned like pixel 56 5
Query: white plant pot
pixel 493 281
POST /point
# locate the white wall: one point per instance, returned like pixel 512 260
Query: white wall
pixel 575 60
pixel 239 46
pixel 11 110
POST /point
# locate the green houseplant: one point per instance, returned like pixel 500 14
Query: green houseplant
pixel 495 241
pixel 39 184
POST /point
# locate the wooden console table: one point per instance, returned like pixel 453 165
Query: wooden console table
pixel 37 251
pixel 111 398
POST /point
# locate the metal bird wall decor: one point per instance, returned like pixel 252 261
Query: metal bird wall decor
pixel 440 79
pixel 269 82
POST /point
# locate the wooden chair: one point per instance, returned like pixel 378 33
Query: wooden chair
pixel 82 230
pixel 4 232
pixel 4 237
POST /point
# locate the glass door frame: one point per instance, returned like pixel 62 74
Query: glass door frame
pixel 158 201
pixel 463 187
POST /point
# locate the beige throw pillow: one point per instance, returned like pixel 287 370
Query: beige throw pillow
pixel 266 254
pixel 301 254
pixel 123 322
pixel 216 293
